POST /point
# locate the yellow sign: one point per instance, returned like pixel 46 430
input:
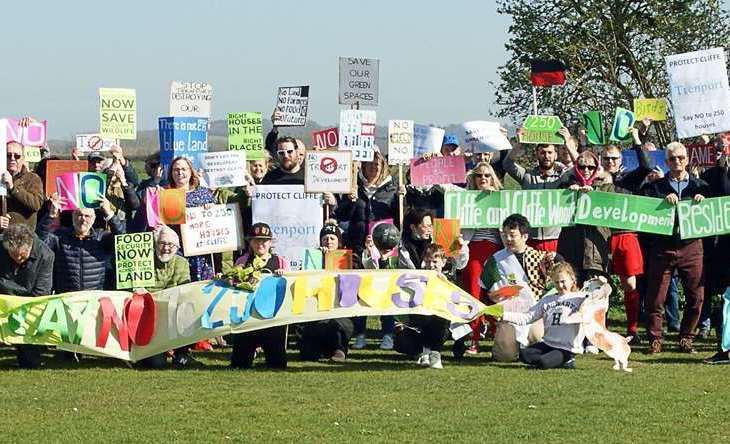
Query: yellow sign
pixel 654 109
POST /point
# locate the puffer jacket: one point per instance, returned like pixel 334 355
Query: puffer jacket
pixel 81 263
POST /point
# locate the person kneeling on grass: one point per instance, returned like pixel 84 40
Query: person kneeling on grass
pixel 564 334
pixel 272 340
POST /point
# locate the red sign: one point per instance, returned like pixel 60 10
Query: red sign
pixel 328 138
pixel 438 170
pixel 702 155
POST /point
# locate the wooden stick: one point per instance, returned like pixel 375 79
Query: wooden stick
pixel 401 197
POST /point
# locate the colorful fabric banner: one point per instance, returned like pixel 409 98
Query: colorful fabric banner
pixel 131 326
pixel 711 217
pixel 625 211
pixel 118 113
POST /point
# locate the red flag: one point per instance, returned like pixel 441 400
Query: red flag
pixel 547 72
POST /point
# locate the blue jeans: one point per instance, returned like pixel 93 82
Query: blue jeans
pixel 671 306
pixel 387 324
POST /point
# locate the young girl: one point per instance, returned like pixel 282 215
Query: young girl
pixel 563 333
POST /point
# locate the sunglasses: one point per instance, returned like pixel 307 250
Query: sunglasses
pixel 15 156
pixel 607 158
pixel 677 158
pixel 587 167
pixel 281 153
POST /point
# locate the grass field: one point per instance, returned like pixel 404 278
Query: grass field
pixel 374 397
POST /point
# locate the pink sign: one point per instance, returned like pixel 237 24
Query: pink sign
pixel 152 205
pixel 438 170
pixel 32 135
pixel 328 138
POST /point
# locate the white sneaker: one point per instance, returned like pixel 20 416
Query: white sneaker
pixel 423 359
pixel 434 360
pixel 387 342
pixel 359 342
pixel 592 349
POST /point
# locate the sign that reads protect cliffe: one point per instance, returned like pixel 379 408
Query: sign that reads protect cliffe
pixel 190 99
pixel 359 81
pixel 699 91
pixel 118 113
pixel 291 106
pixel 328 172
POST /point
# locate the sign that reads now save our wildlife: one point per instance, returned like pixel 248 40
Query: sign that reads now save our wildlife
pixel 625 211
pixel 245 132
pixel 183 136
pixel 711 217
pixel 328 172
pixel 212 230
pixel 482 209
pixel 541 129
pixel 359 81
pixel 135 260
pixel 291 106
pixel 118 113
pixel 190 99
pixel 699 91
pixel 357 133
pixel 400 142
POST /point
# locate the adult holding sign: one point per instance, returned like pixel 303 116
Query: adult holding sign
pixel 669 253
pixel 24 188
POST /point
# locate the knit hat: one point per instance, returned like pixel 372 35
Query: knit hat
pixel 331 228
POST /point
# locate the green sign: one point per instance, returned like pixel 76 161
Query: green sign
pixel 711 217
pixel 623 121
pixel 481 209
pixel 541 129
pixel 593 124
pixel 625 211
pixel 245 132
pixel 135 260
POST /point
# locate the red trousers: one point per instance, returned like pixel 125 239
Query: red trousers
pixel 479 253
pixel 544 245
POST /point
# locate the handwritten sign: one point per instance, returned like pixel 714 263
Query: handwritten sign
pixel 81 190
pixel 541 130
pixel 190 99
pixel 55 168
pixel 357 133
pixel 654 109
pixel 212 230
pixel 400 142
pixel 88 143
pixel 183 136
pixel 427 140
pixel 711 217
pixel 438 170
pixel 245 132
pixel 481 137
pixel 135 260
pixel 32 154
pixel 328 171
pixel 359 81
pixel 324 139
pixel 118 113
pixel 702 155
pixel 291 106
pixel 223 168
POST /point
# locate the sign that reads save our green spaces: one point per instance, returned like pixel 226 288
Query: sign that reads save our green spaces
pixel 711 217
pixel 624 211
pixel 541 129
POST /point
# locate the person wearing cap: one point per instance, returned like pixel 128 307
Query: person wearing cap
pixel 24 190
pixel 272 340
pixel 450 145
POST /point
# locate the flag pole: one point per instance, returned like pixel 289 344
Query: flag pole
pixel 534 100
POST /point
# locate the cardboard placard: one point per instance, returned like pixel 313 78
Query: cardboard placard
pixel 224 168
pixel 190 99
pixel 328 138
pixel 81 190
pixel 400 142
pixel 245 132
pixel 35 134
pixel 438 170
pixel 135 260
pixel 623 121
pixel 212 230
pixel 359 81
pixel 654 109
pixel 593 124
pixel 55 168
pixel 328 172
pixel 87 143
pixel 172 206
pixel 446 233
pixel 702 155
pixel 479 136
pixel 183 137
pixel 427 140
pixel 292 105
pixel 338 260
pixel 357 133
pixel 313 259
pixel 118 113
pixel 542 130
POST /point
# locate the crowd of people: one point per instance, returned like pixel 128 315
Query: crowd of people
pixel 46 250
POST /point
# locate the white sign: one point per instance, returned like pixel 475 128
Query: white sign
pixel 400 142
pixel 212 230
pixel 481 137
pixel 359 81
pixel 87 143
pixel 295 218
pixel 224 168
pixel 328 171
pixel 357 133
pixel 698 86
pixel 427 140
pixel 291 106
pixel 190 99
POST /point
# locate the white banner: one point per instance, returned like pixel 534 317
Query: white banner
pixel 291 106
pixel 87 143
pixel 224 168
pixel 427 140
pixel 295 218
pixel 357 133
pixel 400 142
pixel 359 81
pixel 480 137
pixel 190 99
pixel 212 230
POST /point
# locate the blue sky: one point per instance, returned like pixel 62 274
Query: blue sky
pixel 436 59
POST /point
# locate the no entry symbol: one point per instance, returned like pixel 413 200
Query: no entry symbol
pixel 328 165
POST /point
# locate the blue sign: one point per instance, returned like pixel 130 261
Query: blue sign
pixel 656 158
pixel 183 136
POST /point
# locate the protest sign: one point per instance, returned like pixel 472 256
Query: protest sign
pixel 245 132
pixel 427 140
pixel 400 142
pixel 190 99
pixel 446 233
pixel 593 124
pixel 711 217
pixel 481 137
pixel 630 161
pixel 152 206
pixel 324 139
pixel 35 134
pixel 118 113
pixel 295 218
pixel 623 121
pixel 55 168
pixel 654 109
pixel 224 168
pixel 625 211
pixel 482 209
pixel 358 81
pixel 183 136
pixel 172 206
pixel 438 170
pixel 87 143
pixel 32 154
pixel 3 153
pixel 212 230
pixel 81 190
pixel 338 260
pixel 699 91
pixel 313 259
pixel 133 326
pixel 703 155
pixel 357 133
pixel 328 172
pixel 291 106
pixel 541 130
pixel 135 260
